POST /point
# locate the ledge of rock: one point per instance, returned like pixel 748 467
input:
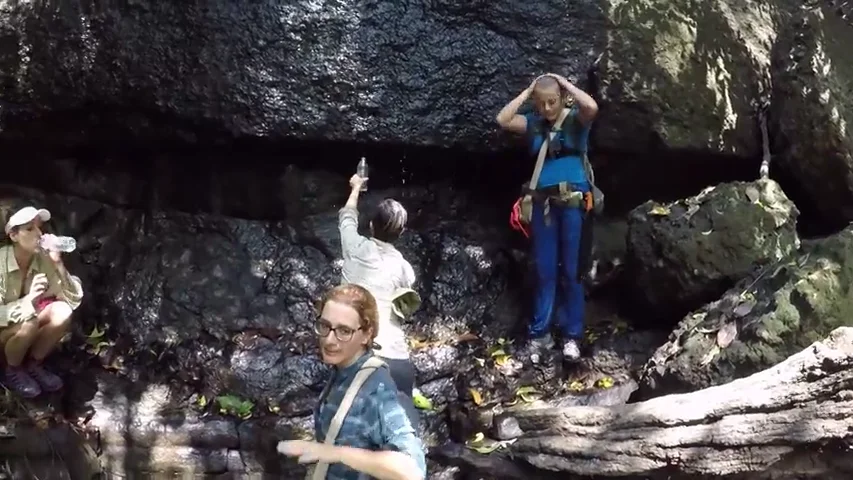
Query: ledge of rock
pixel 362 72
pixel 687 253
pixel 353 71
pixel 792 421
pixel 760 321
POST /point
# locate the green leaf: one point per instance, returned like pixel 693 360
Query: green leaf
pixel 422 402
pixel 527 394
pixel 604 382
pixel 95 334
pixel 236 406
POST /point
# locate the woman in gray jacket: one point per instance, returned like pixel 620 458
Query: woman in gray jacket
pixel 375 264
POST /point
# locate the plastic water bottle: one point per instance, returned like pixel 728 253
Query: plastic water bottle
pixel 361 171
pixel 54 243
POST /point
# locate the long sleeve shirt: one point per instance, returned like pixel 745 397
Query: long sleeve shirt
pixel 376 421
pixel 381 269
pixel 15 284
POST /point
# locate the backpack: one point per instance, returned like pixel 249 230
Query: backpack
pixel 574 129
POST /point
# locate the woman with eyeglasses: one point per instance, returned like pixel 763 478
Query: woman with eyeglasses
pixel 375 437
pixel 556 225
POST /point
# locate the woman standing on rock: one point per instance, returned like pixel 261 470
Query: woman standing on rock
pixel 556 220
pixel 38 296
pixel 359 419
pixel 375 264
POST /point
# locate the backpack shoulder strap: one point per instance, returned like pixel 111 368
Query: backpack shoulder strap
pixel 367 369
pixel 543 150
pixel 587 166
pixel 576 130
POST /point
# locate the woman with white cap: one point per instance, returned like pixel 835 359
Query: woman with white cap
pixel 37 297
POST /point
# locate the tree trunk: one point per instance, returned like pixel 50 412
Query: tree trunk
pixel 792 421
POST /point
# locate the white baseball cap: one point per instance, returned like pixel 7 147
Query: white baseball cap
pixel 25 216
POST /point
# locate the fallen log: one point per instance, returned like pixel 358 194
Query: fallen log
pixel 791 421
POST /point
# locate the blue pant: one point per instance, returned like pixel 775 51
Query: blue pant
pixel 556 248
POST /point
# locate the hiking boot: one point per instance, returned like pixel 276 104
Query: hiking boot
pixel 571 351
pixel 18 380
pixel 49 382
pixel 537 348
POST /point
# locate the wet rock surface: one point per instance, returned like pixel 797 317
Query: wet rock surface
pixel 343 71
pixel 365 72
pixel 762 320
pixel 687 253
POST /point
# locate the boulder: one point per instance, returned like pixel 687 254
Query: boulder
pixel 684 254
pixel 789 422
pixel 759 322
pixel 685 75
pixel 347 70
pixel 362 72
pixel 812 111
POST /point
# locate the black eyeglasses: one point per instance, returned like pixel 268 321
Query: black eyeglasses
pixel 342 333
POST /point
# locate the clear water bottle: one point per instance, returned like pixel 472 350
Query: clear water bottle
pixel 54 243
pixel 361 171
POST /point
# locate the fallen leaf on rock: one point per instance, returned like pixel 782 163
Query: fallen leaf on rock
pixel 43 422
pixel 501 360
pixel 492 446
pixel 659 211
pixel 96 348
pixel 691 211
pixel 497 352
pixel 604 382
pixel 726 334
pixel 620 326
pixel 709 357
pixel 422 402
pixel 477 438
pixel 744 308
pixel 115 365
pixel 591 336
pixel 527 394
pixel 480 361
pixel 417 344
pixel 752 194
pixel 476 396
pixel 95 334
pixel 576 386
pixel 234 405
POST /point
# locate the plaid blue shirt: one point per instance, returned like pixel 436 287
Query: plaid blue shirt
pixel 376 421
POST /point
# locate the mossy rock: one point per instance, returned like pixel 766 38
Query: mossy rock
pixel 685 254
pixel 811 114
pixel 771 315
pixel 686 74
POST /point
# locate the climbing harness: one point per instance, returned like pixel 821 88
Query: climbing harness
pixel 562 194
